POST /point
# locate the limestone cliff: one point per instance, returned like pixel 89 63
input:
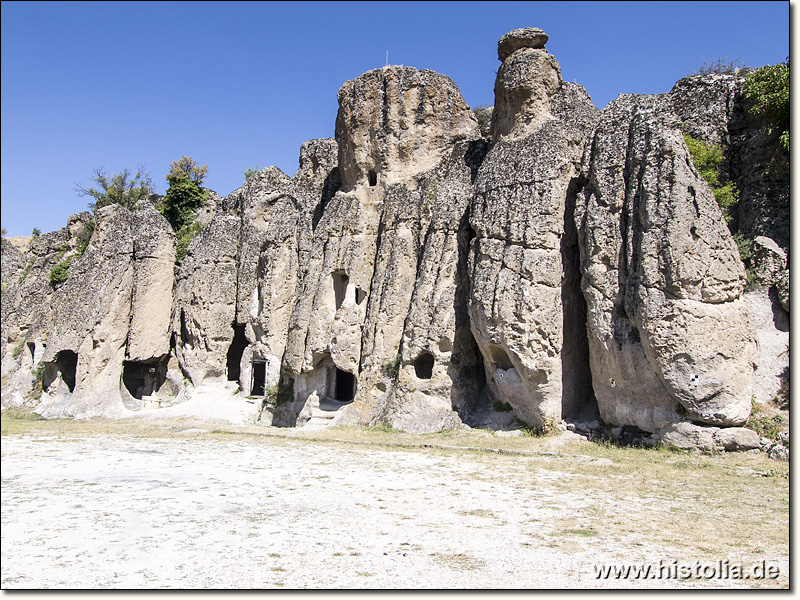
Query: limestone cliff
pixel 415 272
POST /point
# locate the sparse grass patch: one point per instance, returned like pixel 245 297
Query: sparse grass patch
pixel 579 532
pixel 460 561
pixel 766 423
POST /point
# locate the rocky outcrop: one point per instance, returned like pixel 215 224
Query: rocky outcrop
pixel 109 316
pixel 205 293
pixel 383 274
pixel 427 272
pixel 396 122
pixel 662 278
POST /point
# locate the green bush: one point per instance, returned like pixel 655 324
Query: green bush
pixel 83 237
pixel 181 202
pixel 184 237
pixel 707 159
pixel 767 89
pixel 183 199
pixel 249 172
pixel 27 269
pixel 276 395
pixel 391 367
pixel 59 273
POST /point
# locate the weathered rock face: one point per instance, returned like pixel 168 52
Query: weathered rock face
pixel 205 293
pixel 112 312
pixel 662 278
pixel 396 122
pixel 526 308
pixel 525 85
pixel 383 274
pixel 413 272
pixel 154 280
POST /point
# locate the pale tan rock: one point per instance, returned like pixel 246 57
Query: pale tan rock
pixel 526 84
pixel 154 280
pixel 396 122
pixel 737 438
pixel 662 275
pixel 526 37
pixel 523 260
pixel 205 300
pixel 772 330
pixel 687 436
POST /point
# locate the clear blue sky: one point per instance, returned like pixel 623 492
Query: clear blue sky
pixel 239 84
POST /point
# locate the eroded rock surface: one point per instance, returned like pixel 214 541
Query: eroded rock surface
pixel 425 272
pixel 662 278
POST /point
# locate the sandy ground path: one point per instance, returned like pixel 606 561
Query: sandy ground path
pixel 193 512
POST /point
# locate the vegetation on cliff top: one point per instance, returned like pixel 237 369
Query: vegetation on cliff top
pixel 122 188
pixel 767 89
pixel 183 199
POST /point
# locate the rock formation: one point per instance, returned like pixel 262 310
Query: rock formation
pixel 417 273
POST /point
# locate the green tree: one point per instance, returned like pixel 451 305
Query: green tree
pixel 36 232
pixel 187 168
pixel 249 172
pixel 767 89
pixel 183 199
pixel 123 188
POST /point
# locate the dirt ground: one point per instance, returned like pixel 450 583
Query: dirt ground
pixel 197 508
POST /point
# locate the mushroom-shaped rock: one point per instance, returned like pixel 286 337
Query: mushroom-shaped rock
pixel 527 37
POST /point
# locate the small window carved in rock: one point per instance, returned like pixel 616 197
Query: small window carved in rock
pixel 340 281
pixel 360 295
pixel 500 358
pixel 373 178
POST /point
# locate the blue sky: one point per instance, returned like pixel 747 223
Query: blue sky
pixel 241 84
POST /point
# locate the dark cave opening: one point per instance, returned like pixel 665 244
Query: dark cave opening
pixel 259 378
pixel 143 378
pixel 345 385
pixel 423 365
pixel 576 375
pixel 66 365
pixel 235 352
pixel 340 281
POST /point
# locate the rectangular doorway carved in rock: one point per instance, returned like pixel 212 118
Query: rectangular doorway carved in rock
pixel 345 386
pixel 259 378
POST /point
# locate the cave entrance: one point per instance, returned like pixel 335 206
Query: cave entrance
pixel 259 378
pixel 65 365
pixel 345 386
pixel 423 366
pixel 235 352
pixel 143 378
pixel 372 176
